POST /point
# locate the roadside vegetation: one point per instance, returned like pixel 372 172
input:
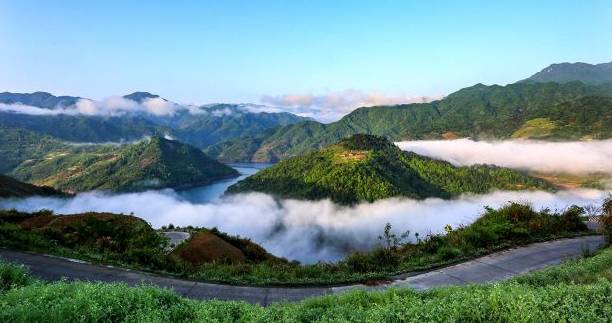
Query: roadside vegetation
pixel 577 291
pixel 211 255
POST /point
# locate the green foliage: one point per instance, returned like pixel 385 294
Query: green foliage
pixel 368 168
pixel 13 276
pixel 19 145
pixel 152 163
pixel 606 219
pixel 577 111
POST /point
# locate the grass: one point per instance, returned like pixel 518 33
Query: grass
pixel 577 291
pixel 497 229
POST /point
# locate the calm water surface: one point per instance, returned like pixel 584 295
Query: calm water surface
pixel 212 192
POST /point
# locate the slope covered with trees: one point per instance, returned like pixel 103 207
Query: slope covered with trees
pixel 368 168
pixel 576 110
pixel 152 163
pixel 10 187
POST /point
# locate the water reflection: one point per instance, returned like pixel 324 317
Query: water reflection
pixel 213 192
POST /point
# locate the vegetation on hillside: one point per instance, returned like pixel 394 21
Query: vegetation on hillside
pixel 19 145
pixel 368 168
pixel 152 163
pixel 579 290
pixel 110 238
pixel 577 110
pixel 10 187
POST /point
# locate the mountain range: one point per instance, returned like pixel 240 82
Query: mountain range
pixel 53 146
pixel 568 111
pixel 197 125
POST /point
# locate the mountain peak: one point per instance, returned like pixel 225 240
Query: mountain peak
pixel 140 96
pixel 579 71
pixel 366 142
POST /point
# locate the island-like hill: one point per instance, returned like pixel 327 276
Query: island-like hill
pixel 368 168
pixel 568 72
pixel 152 163
pixel 10 187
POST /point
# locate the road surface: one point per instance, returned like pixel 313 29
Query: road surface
pixel 494 267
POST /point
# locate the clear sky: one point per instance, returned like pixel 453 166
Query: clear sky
pixel 238 51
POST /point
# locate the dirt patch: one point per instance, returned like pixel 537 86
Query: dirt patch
pixel 205 247
pixel 36 222
pixel 450 135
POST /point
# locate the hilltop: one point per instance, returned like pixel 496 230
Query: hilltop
pixel 368 168
pixel 152 163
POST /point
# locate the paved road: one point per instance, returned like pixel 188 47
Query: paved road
pixel 495 267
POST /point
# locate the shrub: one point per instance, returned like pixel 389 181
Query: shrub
pixel 13 276
pixel 606 219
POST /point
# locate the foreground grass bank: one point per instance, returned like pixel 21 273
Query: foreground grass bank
pixel 129 241
pixel 578 291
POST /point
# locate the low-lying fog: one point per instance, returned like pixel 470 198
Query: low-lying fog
pixel 322 231
pixel 577 157
pixel 306 231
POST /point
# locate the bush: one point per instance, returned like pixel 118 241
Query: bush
pixel 606 219
pixel 13 276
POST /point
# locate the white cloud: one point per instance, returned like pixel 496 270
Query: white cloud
pixel 304 230
pixel 332 106
pixel 578 157
pixel 111 106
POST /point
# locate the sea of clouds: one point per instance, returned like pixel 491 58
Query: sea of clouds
pixel 308 231
pixel 575 157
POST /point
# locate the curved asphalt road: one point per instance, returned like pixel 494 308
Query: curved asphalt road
pixel 495 267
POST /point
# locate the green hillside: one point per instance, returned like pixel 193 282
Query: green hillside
pixel 10 187
pixel 19 145
pixel 153 163
pixel 368 168
pixel 574 109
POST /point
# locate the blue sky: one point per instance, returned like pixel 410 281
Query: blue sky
pixel 238 51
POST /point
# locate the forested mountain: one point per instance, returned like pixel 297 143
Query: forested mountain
pixel 368 168
pixel 199 126
pixel 19 145
pixel 568 72
pixel 38 99
pixel 10 187
pixel 572 111
pixel 152 163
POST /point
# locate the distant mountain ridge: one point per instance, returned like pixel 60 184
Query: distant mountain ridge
pixel 369 168
pixel 197 125
pixel 575 111
pixel 38 99
pixel 568 72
